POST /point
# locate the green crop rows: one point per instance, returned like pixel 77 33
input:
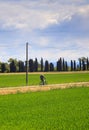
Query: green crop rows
pixel 66 109
pixel 13 80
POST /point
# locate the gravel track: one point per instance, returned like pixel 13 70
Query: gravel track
pixel 24 89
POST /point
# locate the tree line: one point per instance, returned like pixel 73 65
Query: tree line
pixel 14 65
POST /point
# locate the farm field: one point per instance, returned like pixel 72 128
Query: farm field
pixel 15 80
pixel 66 109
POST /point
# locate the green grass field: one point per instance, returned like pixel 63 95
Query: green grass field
pixel 66 109
pixel 13 80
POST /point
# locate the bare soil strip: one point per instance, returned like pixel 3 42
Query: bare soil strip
pixel 69 72
pixel 24 89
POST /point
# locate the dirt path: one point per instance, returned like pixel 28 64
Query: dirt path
pixel 14 90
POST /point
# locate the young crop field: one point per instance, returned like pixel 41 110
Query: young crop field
pixel 66 109
pixel 14 80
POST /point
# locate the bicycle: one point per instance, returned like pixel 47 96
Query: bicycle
pixel 43 82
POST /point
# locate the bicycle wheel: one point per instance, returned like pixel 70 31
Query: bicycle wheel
pixel 45 83
pixel 41 83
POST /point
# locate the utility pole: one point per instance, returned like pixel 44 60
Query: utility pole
pixel 27 63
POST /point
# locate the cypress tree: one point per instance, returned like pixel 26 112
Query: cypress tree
pixel 87 64
pixel 66 66
pixel 31 65
pixel 51 67
pixel 80 66
pixel 74 65
pixel 35 65
pixel 42 65
pixel 46 66
pixel 3 67
pixel 12 66
pixel 58 65
pixel 21 66
pixel 83 64
pixel 71 65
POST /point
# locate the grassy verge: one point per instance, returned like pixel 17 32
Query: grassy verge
pixel 66 109
pixel 13 80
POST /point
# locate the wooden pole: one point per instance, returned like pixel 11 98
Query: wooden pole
pixel 26 63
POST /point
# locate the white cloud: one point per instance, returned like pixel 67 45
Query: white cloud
pixel 32 15
pixel 28 16
pixel 22 16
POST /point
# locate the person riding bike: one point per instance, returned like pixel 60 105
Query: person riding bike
pixel 42 78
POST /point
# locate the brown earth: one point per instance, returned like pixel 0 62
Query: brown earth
pixel 69 72
pixel 24 89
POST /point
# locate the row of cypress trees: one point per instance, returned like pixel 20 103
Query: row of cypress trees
pixel 13 65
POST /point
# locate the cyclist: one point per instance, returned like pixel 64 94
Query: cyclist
pixel 42 78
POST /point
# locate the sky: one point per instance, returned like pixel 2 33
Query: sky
pixel 53 29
